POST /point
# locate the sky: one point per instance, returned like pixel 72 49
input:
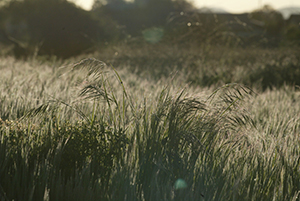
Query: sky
pixel 233 6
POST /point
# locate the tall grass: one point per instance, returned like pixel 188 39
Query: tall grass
pixel 210 66
pixel 87 131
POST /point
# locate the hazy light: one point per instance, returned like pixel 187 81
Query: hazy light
pixel 237 6
pixel 234 6
pixel 85 4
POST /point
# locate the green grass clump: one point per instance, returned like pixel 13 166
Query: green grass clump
pixel 87 131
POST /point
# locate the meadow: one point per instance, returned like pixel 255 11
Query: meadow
pixel 152 123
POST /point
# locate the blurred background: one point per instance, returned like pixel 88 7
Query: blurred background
pixel 65 29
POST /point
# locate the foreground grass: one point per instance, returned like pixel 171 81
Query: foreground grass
pixel 87 132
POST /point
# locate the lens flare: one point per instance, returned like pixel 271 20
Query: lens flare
pixel 180 184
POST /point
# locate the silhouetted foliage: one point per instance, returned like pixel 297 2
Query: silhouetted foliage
pixel 60 28
pixel 292 30
pixel 186 27
pixel 139 15
pixel 272 19
pixel 213 28
pixel 53 27
pixel 292 34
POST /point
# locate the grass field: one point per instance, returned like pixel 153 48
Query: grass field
pixel 152 123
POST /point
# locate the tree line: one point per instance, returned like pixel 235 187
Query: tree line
pixel 60 28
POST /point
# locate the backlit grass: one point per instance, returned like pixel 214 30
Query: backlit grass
pixel 88 130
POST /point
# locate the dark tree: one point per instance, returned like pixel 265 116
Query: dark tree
pixel 54 27
pixel 273 20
